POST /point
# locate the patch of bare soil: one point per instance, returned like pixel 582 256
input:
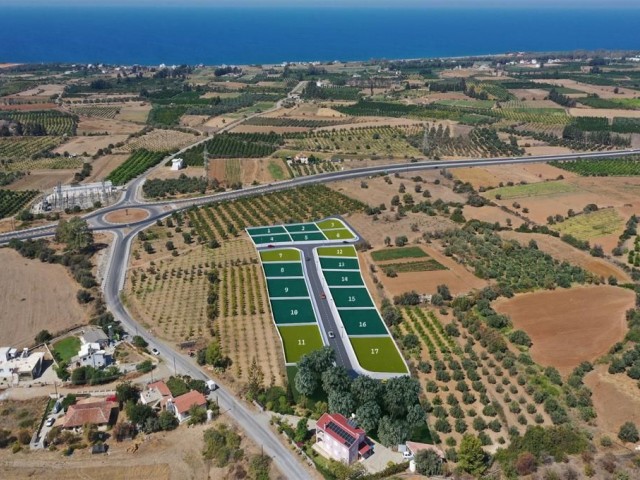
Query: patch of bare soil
pixel 90 145
pixel 103 125
pixel 615 398
pixel 128 215
pixel 494 175
pixel 570 326
pixel 35 296
pixel 136 112
pixel 43 180
pixel 600 90
pixel 564 252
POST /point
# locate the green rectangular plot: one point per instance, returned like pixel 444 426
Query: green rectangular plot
pixel 378 354
pixel 308 237
pixel 351 297
pixel 302 227
pixel 341 234
pixel 339 263
pixel 346 251
pixel 287 287
pixel 298 340
pixel 280 255
pixel 283 269
pixel 255 231
pixel 292 311
pixel 342 279
pixel 330 223
pixel 276 238
pixel 362 322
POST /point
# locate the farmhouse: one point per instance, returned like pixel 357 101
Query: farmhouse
pixel 93 355
pixel 97 411
pixel 156 395
pixel 180 406
pixel 339 439
pixel 15 367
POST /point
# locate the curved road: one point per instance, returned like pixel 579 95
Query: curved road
pixel 256 426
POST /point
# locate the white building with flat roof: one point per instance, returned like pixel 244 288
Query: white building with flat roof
pixel 16 366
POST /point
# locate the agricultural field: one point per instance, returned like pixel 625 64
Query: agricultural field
pixel 13 149
pixel 234 145
pixel 170 293
pixel 398 253
pixel 11 202
pixel 616 167
pixel 325 231
pixel 591 225
pixel 100 111
pixel 469 389
pixel 540 189
pixel 52 121
pixel 553 318
pixel 160 140
pixel 139 162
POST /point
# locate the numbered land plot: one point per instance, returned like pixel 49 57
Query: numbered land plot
pixel 301 227
pixel 287 288
pixel 292 311
pixel 351 297
pixel 331 224
pixel 282 269
pixel 378 354
pixel 261 231
pixel 344 279
pixel 299 340
pixel 308 237
pixel 362 322
pixel 272 238
pixel 329 264
pixel 281 255
pixel 347 251
pixel 339 234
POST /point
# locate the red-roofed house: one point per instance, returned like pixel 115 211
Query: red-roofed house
pixel 90 410
pixel 337 438
pixel 156 395
pixel 180 406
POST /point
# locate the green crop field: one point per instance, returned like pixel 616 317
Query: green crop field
pixel 610 167
pixel 337 252
pixel 398 253
pixel 11 202
pixel 430 265
pixel 532 190
pixel 378 354
pixel 284 288
pixel 14 148
pixel 340 234
pixel 362 322
pixel 299 340
pixel 138 163
pixel 67 348
pixel 280 255
pixel 273 270
pixel 592 225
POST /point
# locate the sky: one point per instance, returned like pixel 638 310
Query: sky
pixel 608 4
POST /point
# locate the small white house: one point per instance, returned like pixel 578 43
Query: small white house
pixel 177 164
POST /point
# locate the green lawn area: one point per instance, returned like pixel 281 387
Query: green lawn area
pixel 378 354
pixel 341 234
pixel 347 251
pixel 300 340
pixel 276 170
pixel 591 225
pixel 532 190
pixel 397 253
pixel 67 348
pixel 330 223
pixel 280 255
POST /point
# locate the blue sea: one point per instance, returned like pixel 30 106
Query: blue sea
pixel 210 35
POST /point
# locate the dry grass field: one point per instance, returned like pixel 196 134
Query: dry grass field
pixel 161 140
pixel 104 165
pixel 494 175
pixel 170 296
pixel 590 318
pixel 90 145
pixel 35 296
pixel 91 125
pixel 43 180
